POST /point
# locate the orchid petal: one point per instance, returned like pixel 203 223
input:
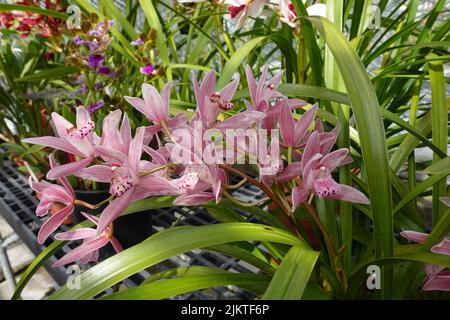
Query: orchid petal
pixel 77 234
pixel 299 195
pixel 81 251
pixel 68 168
pixel 414 236
pixel 287 125
pixel 99 173
pixel 153 102
pixel 304 123
pixel 442 247
pixel 62 126
pixel 194 199
pixel 135 152
pixel 445 200
pixel 311 149
pixel 141 106
pixel 114 209
pixel 334 159
pixel 350 194
pixel 82 116
pixel 227 92
pixel 53 142
pixel 241 120
pixel 53 223
pixel 116 244
pixel 251 82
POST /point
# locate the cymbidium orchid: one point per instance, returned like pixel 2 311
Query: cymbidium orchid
pixel 437 277
pixel 57 199
pixel 211 102
pixel 316 169
pixel 188 163
pixel 155 107
pixel 75 140
pixel 292 131
pixel 265 97
pixel 125 173
pixel 92 242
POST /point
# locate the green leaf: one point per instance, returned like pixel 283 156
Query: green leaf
pixel 191 282
pixel 240 251
pixel 123 22
pixel 292 276
pixel 34 9
pixel 440 167
pixel 236 60
pixel 418 189
pixel 439 121
pixel 153 20
pixel 149 204
pixel 372 136
pixel 165 244
pixel 51 73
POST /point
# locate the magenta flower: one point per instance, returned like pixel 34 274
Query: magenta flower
pixel 95 60
pixel 106 71
pixel 210 102
pixel 96 105
pixel 293 131
pixel 200 182
pixel 137 42
pixel 148 69
pixel 74 140
pixel 437 277
pixel 155 107
pixel 316 171
pixel 92 242
pixel 55 197
pixel 124 176
pixel 266 98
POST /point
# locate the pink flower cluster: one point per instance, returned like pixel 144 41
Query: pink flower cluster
pixel 135 171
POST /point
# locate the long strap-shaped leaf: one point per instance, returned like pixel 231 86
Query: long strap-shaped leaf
pixel 366 109
pixel 190 279
pixel 292 276
pixel 166 244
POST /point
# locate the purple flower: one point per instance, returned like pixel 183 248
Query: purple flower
pixel 148 69
pixel 98 86
pixel 137 42
pixel 77 40
pixel 95 60
pixel 104 71
pixel 96 105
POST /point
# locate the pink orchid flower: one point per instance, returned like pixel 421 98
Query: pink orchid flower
pixel 293 131
pixel 266 98
pixel 92 242
pixel 126 182
pixel 437 277
pixel 210 102
pixel 155 107
pixel 197 177
pixel 240 10
pixel 53 196
pixel 113 137
pixel 73 140
pixel 316 171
